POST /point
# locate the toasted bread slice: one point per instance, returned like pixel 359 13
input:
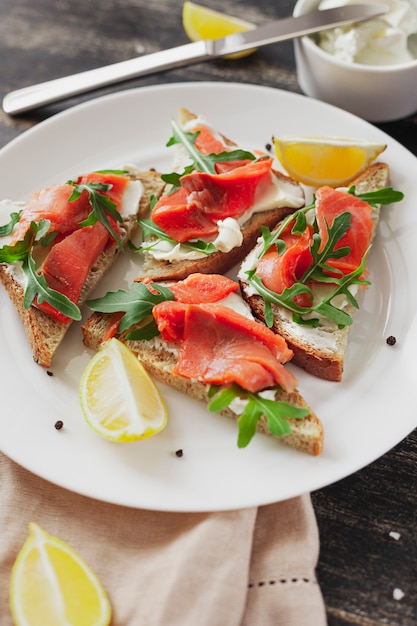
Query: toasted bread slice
pixel 221 262
pixel 320 351
pixel 44 332
pixel 160 360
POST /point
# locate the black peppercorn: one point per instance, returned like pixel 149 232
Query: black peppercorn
pixel 59 424
pixel 391 340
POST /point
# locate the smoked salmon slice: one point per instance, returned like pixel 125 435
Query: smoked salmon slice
pixel 182 221
pixel 52 203
pixel 68 263
pixel 118 184
pixel 220 346
pixel 76 249
pixel 229 194
pixel 206 143
pixel 280 271
pixel 201 288
pixel 203 199
pixel 329 204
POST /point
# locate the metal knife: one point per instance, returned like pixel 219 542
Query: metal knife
pixel 34 96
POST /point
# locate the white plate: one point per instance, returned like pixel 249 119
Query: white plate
pixel 364 416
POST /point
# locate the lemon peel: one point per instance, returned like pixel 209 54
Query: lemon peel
pixel 53 586
pixel 118 398
pixel 333 161
pixel 200 22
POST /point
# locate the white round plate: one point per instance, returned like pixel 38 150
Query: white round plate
pixel 363 416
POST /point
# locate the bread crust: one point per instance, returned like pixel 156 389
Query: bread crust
pixel 45 333
pixel 326 362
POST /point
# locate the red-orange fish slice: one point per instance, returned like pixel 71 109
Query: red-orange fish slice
pixel 182 221
pixel 280 271
pixel 206 142
pixel 219 346
pixel 230 194
pixel 117 182
pixel 52 203
pixel 69 262
pixel 331 203
pixel 202 288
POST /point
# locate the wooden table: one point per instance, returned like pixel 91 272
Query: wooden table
pixel 360 563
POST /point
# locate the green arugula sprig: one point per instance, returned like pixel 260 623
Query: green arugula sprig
pixel 100 206
pixel 319 269
pixel 387 195
pixel 155 234
pixel 201 162
pixel 136 304
pixel 7 229
pixel 37 287
pixel 276 412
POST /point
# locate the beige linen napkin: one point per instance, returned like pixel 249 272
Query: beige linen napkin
pixel 252 567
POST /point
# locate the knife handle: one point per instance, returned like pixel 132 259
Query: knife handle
pixel 28 98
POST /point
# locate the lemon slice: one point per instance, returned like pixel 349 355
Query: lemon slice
pixel 119 399
pixel 52 585
pixel 317 161
pixel 200 22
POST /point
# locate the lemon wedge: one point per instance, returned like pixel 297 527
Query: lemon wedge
pixel 52 585
pixel 200 22
pixel 317 161
pixel 119 399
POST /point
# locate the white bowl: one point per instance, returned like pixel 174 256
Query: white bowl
pixel 376 93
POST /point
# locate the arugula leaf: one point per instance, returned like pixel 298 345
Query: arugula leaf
pixel 174 178
pixel 387 195
pixel 117 172
pixel 100 204
pixel 6 229
pixel 36 233
pixel 205 162
pixel 319 269
pixel 339 228
pixel 276 412
pixel 146 330
pixel 150 229
pixel 273 238
pixel 38 288
pixel 136 303
pixel 17 252
pixel 201 162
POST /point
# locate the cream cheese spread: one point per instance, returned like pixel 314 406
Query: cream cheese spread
pixel 382 41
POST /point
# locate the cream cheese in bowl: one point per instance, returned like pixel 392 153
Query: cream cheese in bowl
pixel 369 68
pixel 383 41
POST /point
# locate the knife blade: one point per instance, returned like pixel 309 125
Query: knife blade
pixel 27 98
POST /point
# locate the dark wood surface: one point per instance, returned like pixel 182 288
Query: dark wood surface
pixel 360 563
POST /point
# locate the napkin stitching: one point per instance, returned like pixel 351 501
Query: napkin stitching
pixel 282 581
